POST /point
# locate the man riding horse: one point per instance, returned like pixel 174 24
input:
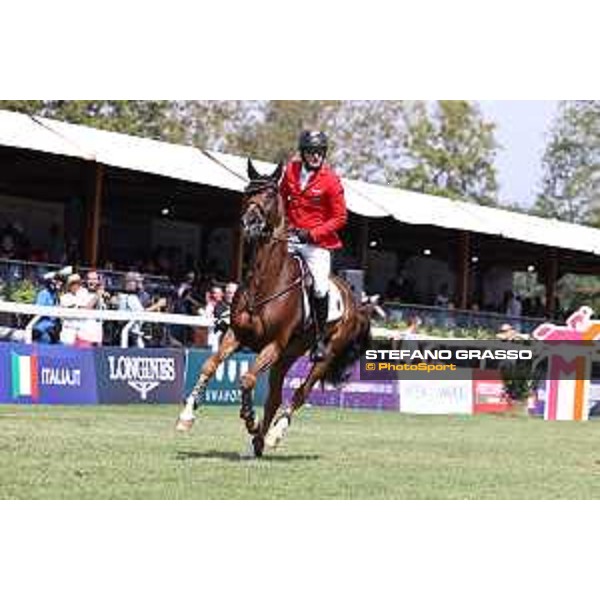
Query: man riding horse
pixel 316 211
pixel 267 314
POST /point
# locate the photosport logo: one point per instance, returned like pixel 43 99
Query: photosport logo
pixel 29 375
pixel 142 373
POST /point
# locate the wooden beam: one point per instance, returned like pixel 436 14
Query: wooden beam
pixel 93 216
pixel 363 243
pixel 462 274
pixel 551 277
pixel 238 247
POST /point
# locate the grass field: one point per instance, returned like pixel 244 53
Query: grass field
pixel 133 452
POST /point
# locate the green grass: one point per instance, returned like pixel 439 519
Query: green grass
pixel 133 452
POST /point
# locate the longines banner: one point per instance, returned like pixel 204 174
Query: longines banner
pixel 224 387
pixel 140 375
pixel 42 374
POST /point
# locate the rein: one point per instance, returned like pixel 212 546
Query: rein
pixel 252 304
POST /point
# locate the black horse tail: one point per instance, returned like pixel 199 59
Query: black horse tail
pixel 340 368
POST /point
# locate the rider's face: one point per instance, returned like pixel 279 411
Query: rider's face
pixel 313 158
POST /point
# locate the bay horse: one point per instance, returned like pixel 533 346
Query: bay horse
pixel 268 317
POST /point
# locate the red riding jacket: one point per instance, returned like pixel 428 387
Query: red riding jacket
pixel 319 208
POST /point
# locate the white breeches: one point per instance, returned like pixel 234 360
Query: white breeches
pixel 318 261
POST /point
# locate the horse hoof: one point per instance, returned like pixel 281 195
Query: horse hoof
pixel 184 425
pixel 277 431
pixel 254 449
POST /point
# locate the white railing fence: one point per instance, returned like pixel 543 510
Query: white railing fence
pixel 126 316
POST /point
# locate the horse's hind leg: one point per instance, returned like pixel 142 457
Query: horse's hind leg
pixel 317 372
pixel 282 423
pixel 229 344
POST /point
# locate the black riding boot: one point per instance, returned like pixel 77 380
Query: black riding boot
pixel 321 305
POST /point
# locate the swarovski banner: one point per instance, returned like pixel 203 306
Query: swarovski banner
pixel 224 388
pixel 140 375
pixel 43 374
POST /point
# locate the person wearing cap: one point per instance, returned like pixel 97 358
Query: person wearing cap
pixel 316 212
pixel 83 333
pixel 72 298
pixel 46 330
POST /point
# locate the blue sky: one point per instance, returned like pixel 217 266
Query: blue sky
pixel 522 128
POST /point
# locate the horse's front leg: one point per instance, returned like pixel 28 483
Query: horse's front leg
pixel 268 356
pixel 229 344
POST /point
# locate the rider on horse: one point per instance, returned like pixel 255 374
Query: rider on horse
pixel 316 211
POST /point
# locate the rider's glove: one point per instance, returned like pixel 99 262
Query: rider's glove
pixel 303 236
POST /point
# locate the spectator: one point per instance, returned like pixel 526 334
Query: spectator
pixel 185 303
pixel 230 290
pixel 8 250
pixel 508 333
pixel 412 331
pixel 47 329
pixel 442 299
pixel 222 310
pixel 213 297
pixel 93 297
pixel 514 308
pixel 214 308
pixel 74 297
pixel 130 300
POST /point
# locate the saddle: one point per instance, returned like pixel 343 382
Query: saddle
pixel 335 305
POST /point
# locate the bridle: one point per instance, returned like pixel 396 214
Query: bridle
pixel 254 188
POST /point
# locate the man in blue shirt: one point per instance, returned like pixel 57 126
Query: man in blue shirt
pixel 46 329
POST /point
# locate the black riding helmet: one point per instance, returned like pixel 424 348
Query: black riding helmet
pixel 313 140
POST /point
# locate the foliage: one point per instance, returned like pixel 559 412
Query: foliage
pixel 274 136
pixel 369 138
pixel 23 291
pixel 571 180
pixel 521 378
pixel 470 333
pixel 451 152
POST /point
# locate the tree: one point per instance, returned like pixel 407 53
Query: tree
pixel 450 151
pixel 369 137
pixel 571 163
pixel 273 133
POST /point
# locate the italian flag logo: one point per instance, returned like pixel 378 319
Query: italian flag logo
pixel 24 376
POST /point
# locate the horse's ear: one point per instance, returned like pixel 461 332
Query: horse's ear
pixel 253 174
pixel 276 176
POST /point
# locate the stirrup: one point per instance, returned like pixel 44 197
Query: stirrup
pixel 319 351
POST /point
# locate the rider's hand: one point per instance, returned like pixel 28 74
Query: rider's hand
pixel 303 235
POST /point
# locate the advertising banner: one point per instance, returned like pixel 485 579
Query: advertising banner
pixel 488 392
pixel 140 375
pixel 224 388
pixel 4 373
pixel 436 397
pixel 355 393
pixel 44 374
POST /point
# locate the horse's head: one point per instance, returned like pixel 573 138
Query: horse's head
pixel 263 211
